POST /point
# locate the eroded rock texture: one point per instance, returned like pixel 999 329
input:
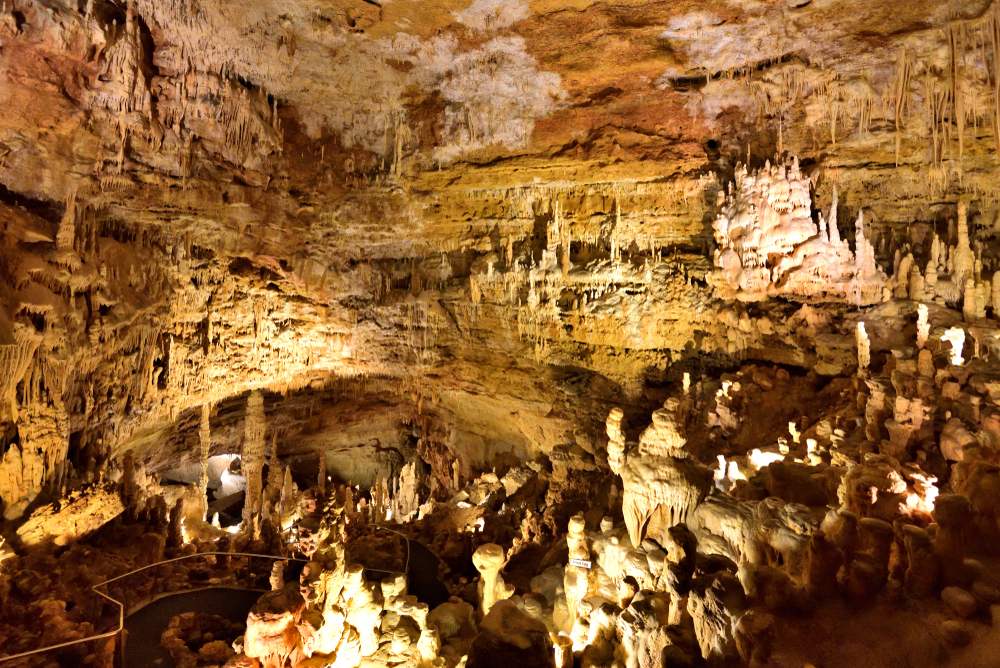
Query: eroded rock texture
pixel 666 332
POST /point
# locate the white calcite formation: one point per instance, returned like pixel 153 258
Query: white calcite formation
pixel 768 243
pixel 955 337
pixel 662 484
pixel 360 287
pixel 923 326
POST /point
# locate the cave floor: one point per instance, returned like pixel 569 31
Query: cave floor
pixel 144 627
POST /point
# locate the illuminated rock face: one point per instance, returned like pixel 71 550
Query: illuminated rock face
pixel 659 477
pixel 769 245
pixel 253 460
pixel 440 247
pixel 76 516
pixel 272 634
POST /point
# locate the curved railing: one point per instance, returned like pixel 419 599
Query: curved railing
pixel 406 567
pixel 121 604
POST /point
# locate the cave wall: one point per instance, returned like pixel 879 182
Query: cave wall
pixel 487 220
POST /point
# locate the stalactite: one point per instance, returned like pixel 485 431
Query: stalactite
pixel 141 381
pixel 956 43
pixel 321 478
pixel 902 95
pixel 993 34
pixel 14 361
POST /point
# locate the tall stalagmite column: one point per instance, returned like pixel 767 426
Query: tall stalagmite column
pixel 965 258
pixel 253 457
pixel 322 471
pixel 205 436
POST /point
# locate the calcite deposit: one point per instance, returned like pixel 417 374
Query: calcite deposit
pixel 501 333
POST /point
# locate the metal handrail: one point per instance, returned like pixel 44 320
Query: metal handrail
pixel 199 554
pixel 406 568
pixel 121 605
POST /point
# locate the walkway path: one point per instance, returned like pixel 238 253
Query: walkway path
pixel 144 627
pixel 422 580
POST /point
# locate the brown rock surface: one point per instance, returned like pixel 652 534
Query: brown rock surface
pixel 486 266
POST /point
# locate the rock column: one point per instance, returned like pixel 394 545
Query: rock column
pixel 489 559
pixel 205 437
pixel 253 458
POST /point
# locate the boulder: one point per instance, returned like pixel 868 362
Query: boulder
pixel 272 631
pixel 960 601
pixel 509 637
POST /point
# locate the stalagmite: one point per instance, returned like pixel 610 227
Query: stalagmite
pixel 489 559
pixel 918 285
pixel 277 575
pixel 995 295
pixel 864 347
pixel 956 337
pixel 964 257
pixel 969 308
pixel 953 513
pixel 922 571
pixel 575 581
pixel 321 476
pixel 923 326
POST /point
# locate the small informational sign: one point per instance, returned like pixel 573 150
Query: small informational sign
pixel 579 563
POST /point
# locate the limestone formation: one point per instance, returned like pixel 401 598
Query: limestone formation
pixel 955 337
pixel 662 484
pixel 205 438
pixel 272 635
pixel 253 460
pixel 74 517
pixel 504 333
pixel 575 583
pixel 716 603
pixel 923 326
pixel 864 347
pixel 768 243
pixel 953 513
pixel 489 559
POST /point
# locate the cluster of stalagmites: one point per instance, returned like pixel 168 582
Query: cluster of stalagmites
pixel 702 565
pixel 704 561
pixel 708 561
pixel 707 555
pixel 888 533
pixel 955 272
pixel 332 614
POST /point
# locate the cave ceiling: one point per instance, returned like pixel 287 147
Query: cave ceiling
pixel 202 198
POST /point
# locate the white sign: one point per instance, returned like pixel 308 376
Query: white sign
pixel 579 563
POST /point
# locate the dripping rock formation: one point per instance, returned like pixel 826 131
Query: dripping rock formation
pixel 501 332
